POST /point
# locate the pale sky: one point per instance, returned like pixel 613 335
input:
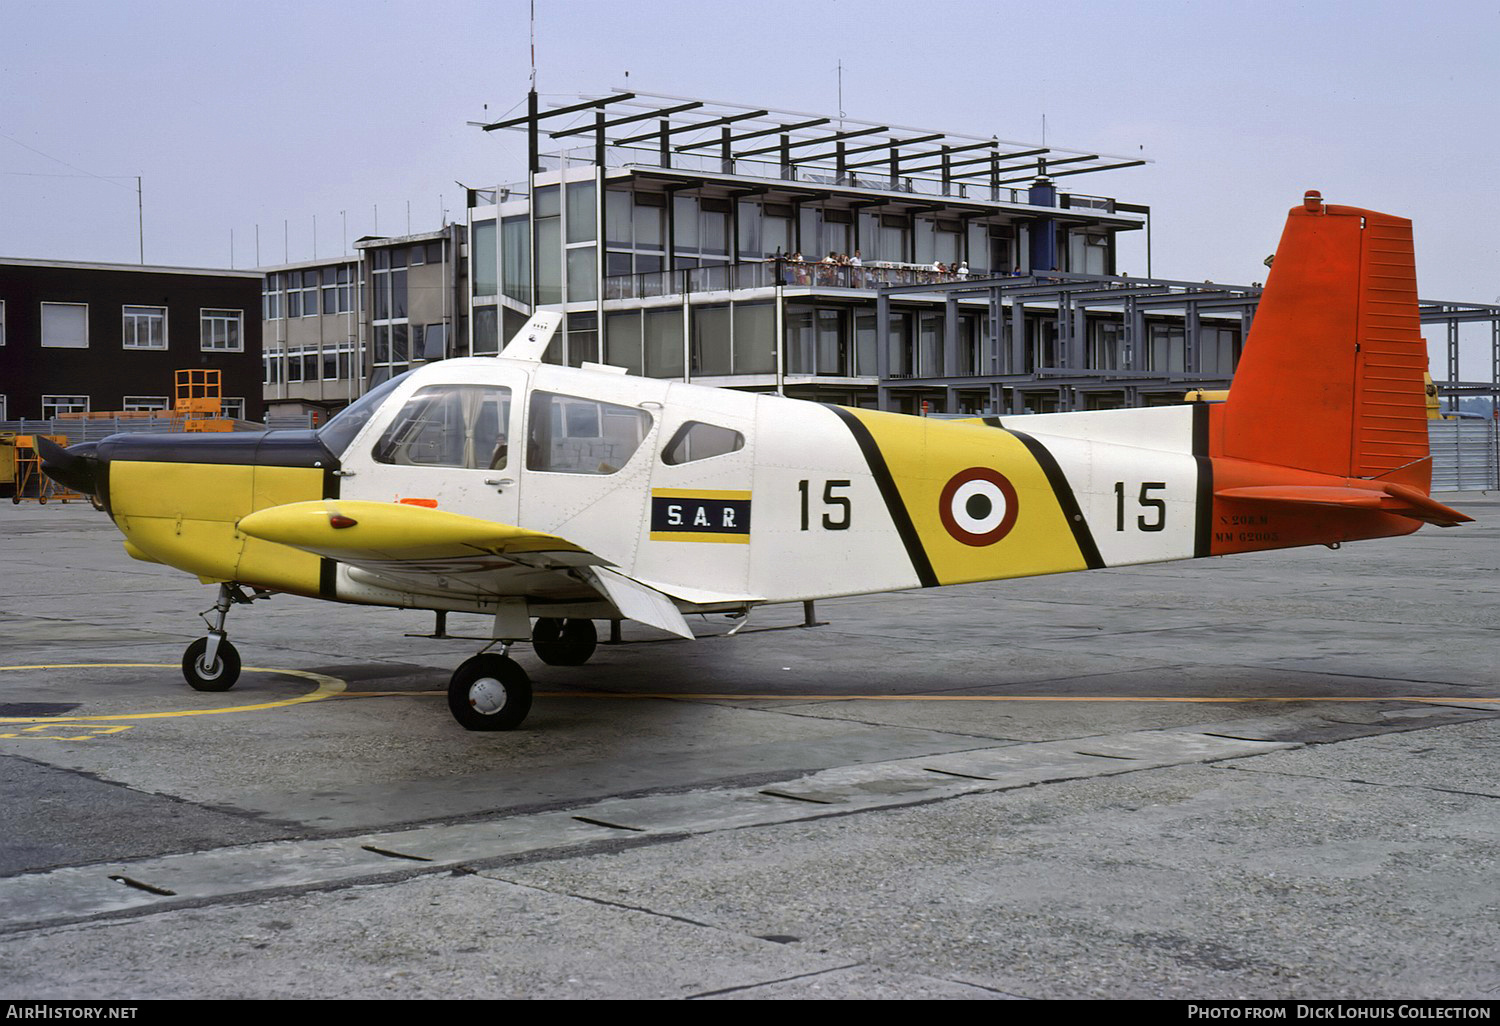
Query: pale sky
pixel 273 114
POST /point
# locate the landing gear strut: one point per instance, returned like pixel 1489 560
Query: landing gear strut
pixel 489 692
pixel 212 663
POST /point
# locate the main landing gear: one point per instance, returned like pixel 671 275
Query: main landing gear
pixel 489 692
pixel 564 642
pixel 492 692
pixel 212 663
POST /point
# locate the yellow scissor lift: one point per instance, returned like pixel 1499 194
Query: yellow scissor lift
pixel 198 405
pixel 21 463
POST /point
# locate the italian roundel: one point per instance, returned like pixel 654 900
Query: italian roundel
pixel 978 506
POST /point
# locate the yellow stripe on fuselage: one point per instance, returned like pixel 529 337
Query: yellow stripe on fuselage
pixel 923 455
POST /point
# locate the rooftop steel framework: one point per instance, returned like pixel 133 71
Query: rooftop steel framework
pixel 685 126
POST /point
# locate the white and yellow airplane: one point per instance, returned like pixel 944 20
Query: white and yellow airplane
pixel 532 492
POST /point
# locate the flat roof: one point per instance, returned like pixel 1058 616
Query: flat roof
pixel 80 265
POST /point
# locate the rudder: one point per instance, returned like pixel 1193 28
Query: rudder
pixel 1331 377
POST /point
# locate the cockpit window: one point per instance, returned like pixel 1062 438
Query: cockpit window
pixel 340 431
pixel 696 440
pixel 569 435
pixel 450 426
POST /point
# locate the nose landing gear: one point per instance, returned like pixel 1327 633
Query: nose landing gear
pixel 212 663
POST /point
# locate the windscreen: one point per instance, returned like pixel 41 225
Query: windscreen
pixel 340 431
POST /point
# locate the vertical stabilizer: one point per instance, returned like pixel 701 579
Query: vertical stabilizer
pixel 1331 377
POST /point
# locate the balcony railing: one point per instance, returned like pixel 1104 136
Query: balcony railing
pixel 776 271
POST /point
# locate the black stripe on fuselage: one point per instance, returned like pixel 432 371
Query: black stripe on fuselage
pixel 1062 491
pixel 244 448
pixel 892 496
pixel 1203 524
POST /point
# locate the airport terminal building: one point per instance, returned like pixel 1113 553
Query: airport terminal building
pixel 844 261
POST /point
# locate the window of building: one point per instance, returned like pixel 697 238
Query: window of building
pixel 4 411
pixel 482 260
pixel 450 426
pixel 1106 345
pixel 271 369
pixel 486 331
pixel 271 298
pixel 222 330
pixel 434 342
pixel 663 342
pixel 1218 350
pixel 581 212
pixel 2 326
pixel 65 325
pixel 232 407
pixel 144 403
pixel 711 340
pixel 754 339
pixel 1166 346
pixel 547 243
pixel 817 340
pixel 144 327
pixel 571 435
pixel 583 339
pixel 56 405
pixel 893 242
pixel 696 441
pixel 583 275
pixel 515 258
pixel 622 340
pixel 337 290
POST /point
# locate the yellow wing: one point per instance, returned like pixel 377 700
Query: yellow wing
pixel 429 550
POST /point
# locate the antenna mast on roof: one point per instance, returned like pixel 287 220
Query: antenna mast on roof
pixel 533 45
pixel 841 94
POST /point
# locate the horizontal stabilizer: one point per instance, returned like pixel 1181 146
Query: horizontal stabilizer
pixel 1389 498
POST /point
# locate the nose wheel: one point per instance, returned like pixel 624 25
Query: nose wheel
pixel 218 672
pixel 211 663
pixel 489 692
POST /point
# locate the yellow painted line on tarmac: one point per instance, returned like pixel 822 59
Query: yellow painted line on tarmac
pixel 327 688
pixel 953 698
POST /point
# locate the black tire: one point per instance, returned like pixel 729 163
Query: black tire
pixel 218 678
pixel 489 692
pixel 564 642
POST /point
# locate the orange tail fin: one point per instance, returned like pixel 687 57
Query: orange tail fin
pixel 1331 377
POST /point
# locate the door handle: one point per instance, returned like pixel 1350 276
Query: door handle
pixel 500 483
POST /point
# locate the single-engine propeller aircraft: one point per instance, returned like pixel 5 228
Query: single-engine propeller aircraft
pixel 527 491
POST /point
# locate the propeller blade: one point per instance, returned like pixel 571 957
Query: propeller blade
pixel 75 467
